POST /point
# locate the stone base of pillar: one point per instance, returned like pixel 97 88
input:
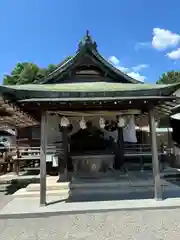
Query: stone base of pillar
pixel 43 204
pixel 158 199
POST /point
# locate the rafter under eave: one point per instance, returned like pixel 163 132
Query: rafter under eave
pixel 16 117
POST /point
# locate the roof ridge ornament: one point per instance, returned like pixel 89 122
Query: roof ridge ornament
pixel 87 41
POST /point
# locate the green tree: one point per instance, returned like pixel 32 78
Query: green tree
pixel 169 77
pixel 41 74
pixel 26 72
pixel 51 68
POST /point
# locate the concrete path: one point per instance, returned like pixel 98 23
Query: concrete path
pixel 123 225
pixel 5 199
pixel 30 207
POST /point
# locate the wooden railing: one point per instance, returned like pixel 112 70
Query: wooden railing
pixel 143 149
pixel 28 156
pixel 14 158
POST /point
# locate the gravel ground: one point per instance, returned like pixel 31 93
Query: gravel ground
pixel 131 225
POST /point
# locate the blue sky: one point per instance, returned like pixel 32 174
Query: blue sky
pixel 141 37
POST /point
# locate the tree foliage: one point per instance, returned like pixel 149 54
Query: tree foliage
pixel 26 72
pixel 169 77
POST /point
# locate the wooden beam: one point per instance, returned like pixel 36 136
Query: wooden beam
pixel 97 99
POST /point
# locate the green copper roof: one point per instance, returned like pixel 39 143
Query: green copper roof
pixel 88 87
pixel 91 90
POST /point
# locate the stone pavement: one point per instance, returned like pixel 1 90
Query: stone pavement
pixel 123 225
pixel 4 199
pixel 22 208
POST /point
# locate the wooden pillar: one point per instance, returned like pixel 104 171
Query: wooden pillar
pixel 16 164
pixel 119 156
pixel 43 158
pixel 155 160
pixel 63 165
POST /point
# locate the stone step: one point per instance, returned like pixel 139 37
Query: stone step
pixel 171 173
pixel 116 184
pixel 99 175
pixel 51 185
pixel 23 193
pixel 120 190
pixel 108 191
pixel 91 189
pixel 123 184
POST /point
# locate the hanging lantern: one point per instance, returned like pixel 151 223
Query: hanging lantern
pixel 121 121
pixel 64 122
pixel 82 123
pixel 102 122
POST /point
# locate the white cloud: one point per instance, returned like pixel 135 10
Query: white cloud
pixel 132 72
pixel 174 55
pixel 163 39
pixel 114 60
pixel 123 69
pixel 137 76
pixel 139 67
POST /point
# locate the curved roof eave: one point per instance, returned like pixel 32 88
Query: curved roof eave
pixel 17 92
pixel 67 64
pixel 114 69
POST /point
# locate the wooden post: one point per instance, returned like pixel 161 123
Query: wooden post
pixel 119 157
pixel 65 142
pixel 16 162
pixel 155 160
pixel 43 159
pixel 62 162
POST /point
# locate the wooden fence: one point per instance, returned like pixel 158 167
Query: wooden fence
pixel 18 157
